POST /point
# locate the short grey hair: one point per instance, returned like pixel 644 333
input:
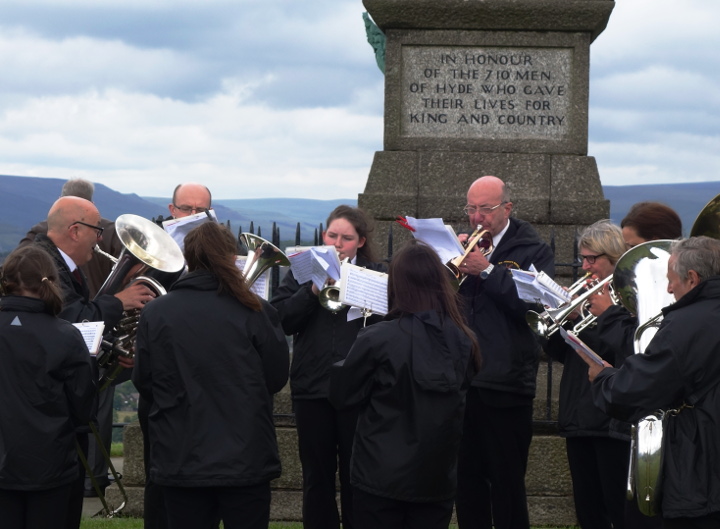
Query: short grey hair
pixel 701 254
pixel 604 237
pixel 78 187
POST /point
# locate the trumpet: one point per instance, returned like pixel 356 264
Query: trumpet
pixel 549 321
pixel 481 238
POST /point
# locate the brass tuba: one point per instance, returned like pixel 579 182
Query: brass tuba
pixel 150 256
pixel 640 281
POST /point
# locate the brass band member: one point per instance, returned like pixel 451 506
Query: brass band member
pixel 210 355
pixel 598 457
pixel 47 388
pixel 320 338
pixel 409 375
pixel 498 417
pixel 680 370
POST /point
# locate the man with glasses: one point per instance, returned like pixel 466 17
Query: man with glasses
pixel 498 416
pixel 96 270
pixel 188 199
pixel 73 231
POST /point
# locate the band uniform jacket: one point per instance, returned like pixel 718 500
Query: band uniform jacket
pixel 47 389
pixel 320 337
pixel 99 267
pixel 681 365
pixel 409 377
pixel 77 306
pixel 497 315
pixel 209 366
pixel 578 416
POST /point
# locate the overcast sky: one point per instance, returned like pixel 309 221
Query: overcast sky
pixel 282 98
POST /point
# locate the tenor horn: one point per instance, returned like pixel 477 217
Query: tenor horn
pixel 262 255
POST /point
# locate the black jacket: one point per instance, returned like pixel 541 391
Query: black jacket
pixel 77 305
pixel 497 315
pixel 320 337
pixel 47 388
pixel 680 365
pixel 578 415
pixel 410 377
pixel 209 367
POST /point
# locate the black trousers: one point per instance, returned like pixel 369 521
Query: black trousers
pixel 491 466
pixel 598 466
pixel 77 489
pixel 377 512
pixel 154 513
pixel 96 459
pixel 201 507
pixel 325 438
pixel 34 509
pixel 711 521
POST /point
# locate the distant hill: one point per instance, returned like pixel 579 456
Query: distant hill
pixel 24 201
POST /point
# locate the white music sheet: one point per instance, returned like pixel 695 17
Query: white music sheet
pixel 92 333
pixel 364 288
pixel 316 264
pixel 179 228
pixel 261 286
pixel 438 235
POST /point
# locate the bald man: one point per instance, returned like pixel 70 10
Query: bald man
pixel 188 199
pixel 73 231
pixel 498 414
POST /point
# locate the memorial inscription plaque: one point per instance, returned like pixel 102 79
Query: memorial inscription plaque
pixel 496 92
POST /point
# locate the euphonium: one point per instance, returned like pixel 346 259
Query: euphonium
pixel 150 256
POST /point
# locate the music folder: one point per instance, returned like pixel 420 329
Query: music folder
pixel 580 347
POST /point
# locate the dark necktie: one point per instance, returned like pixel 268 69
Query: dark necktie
pixel 78 275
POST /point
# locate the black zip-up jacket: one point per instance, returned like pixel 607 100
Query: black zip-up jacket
pixel 208 365
pixel 497 315
pixel 410 377
pixel 578 415
pixel 681 365
pixel 47 389
pixel 77 306
pixel 320 337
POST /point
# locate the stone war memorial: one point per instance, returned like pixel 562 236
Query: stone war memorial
pixel 493 87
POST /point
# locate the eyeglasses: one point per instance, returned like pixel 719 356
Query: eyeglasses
pixel 590 258
pixel 190 209
pixel 483 210
pixel 99 229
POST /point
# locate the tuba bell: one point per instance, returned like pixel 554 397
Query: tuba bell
pixel 150 256
pixel 262 255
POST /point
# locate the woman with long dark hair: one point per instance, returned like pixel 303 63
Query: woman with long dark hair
pixel 321 337
pixel 210 355
pixel 409 376
pixel 47 388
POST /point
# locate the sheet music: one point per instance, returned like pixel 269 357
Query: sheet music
pixel 261 286
pixel 364 288
pixel 439 236
pixel 92 333
pixel 179 228
pixel 316 264
pixel 538 287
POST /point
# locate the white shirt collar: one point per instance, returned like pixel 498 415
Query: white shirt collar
pixel 497 238
pixel 68 260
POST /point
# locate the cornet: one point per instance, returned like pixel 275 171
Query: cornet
pixel 480 238
pixel 549 321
